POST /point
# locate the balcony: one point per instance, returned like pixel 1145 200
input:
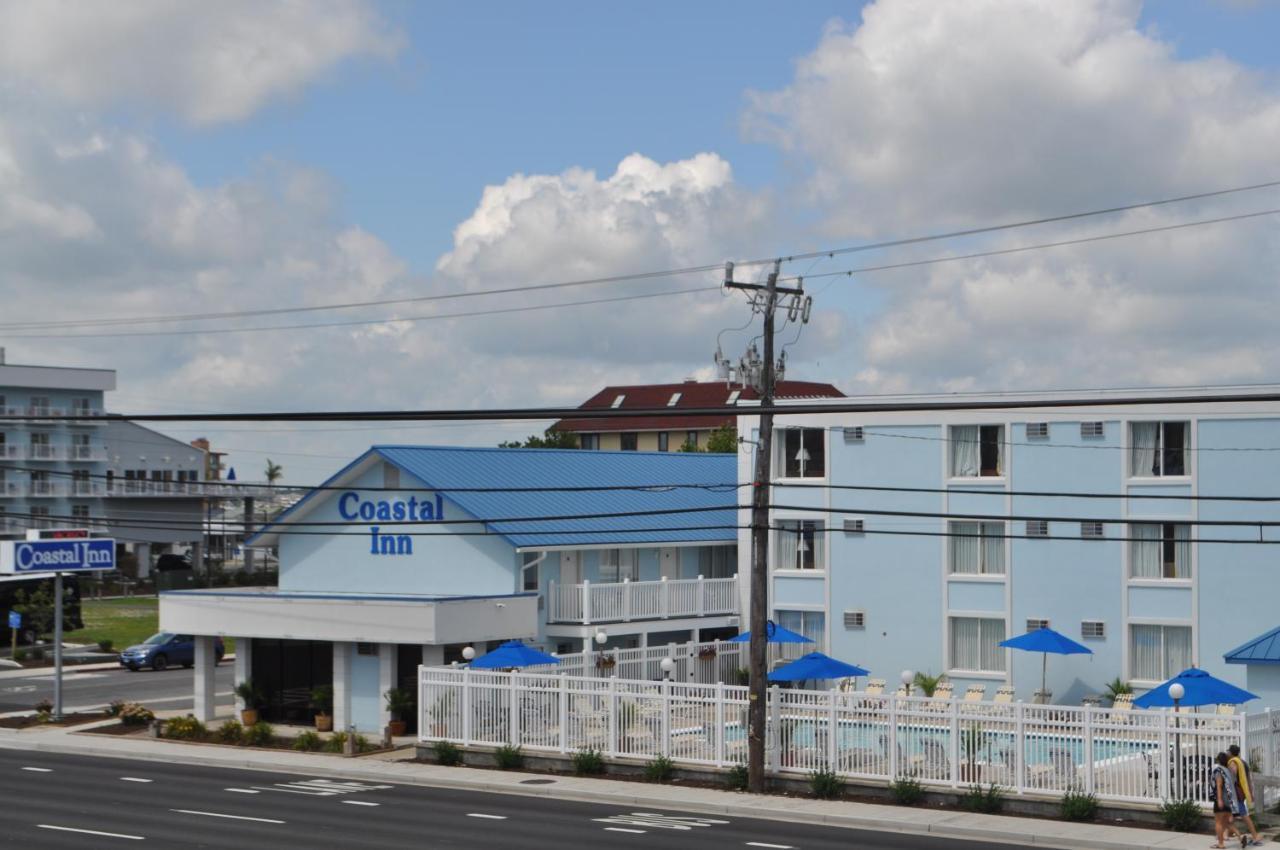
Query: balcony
pixel 48 489
pixel 12 488
pixel 626 601
pixel 42 412
pixel 99 417
pixel 134 487
pixel 88 489
pixel 86 453
pixel 8 451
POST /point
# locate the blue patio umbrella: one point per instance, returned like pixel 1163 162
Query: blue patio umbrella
pixel 1199 688
pixel 815 665
pixel 513 653
pixel 773 634
pixel 1046 641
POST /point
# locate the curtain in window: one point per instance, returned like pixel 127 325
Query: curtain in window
pixel 628 565
pixel 817 541
pixel 965 643
pixel 1145 551
pixel 965 451
pixel 788 536
pixel 1177 650
pixel 992 653
pixel 1143 451
pixel 1145 652
pixel 993 548
pixel 966 552
pixel 1182 551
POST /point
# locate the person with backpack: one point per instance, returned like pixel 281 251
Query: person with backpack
pixel 1244 794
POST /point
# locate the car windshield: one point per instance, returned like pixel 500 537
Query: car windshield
pixel 157 639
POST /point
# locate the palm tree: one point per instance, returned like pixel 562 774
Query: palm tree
pixel 274 471
pixel 928 684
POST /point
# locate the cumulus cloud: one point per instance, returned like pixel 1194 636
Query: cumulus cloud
pixel 930 115
pixel 208 63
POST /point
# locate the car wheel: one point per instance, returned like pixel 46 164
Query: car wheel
pixel 160 662
pixel 133 668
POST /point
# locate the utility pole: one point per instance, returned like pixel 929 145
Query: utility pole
pixel 765 300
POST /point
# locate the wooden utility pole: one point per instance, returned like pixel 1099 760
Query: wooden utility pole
pixel 767 302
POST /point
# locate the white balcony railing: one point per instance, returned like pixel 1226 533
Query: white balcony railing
pixel 625 601
pixel 133 487
pixel 88 489
pixel 12 488
pixel 87 453
pixel 48 489
pixel 98 417
pixel 41 451
pixel 42 412
pixel 9 451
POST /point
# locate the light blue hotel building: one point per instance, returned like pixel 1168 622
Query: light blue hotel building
pixel 971 540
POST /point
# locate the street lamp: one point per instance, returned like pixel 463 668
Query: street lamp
pixel 1176 693
pixel 468 653
pixel 907 678
pixel 601 637
pixel 667 666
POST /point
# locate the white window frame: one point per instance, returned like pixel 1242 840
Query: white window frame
pixel 664 441
pixel 976 672
pixel 1187 450
pixel 621 563
pixel 1184 580
pixel 1002 454
pixel 530 561
pixel 795 650
pixel 821 544
pixel 1131 673
pixel 984 534
pixel 780 453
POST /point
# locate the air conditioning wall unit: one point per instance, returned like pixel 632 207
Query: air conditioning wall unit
pixel 854 434
pixel 1093 429
pixel 1037 528
pixel 855 526
pixel 1037 430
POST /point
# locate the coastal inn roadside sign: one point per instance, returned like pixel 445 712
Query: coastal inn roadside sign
pixel 355 509
pixel 21 557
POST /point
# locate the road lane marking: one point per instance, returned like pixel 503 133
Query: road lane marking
pixel 39 769
pixel 241 790
pixel 221 815
pixel 486 817
pixel 623 829
pixel 360 803
pixel 773 846
pixel 133 779
pixel 651 819
pixel 90 832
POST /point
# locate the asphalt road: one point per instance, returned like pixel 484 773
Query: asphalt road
pixel 90 688
pixel 62 801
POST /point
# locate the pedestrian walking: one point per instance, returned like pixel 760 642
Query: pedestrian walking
pixel 1244 793
pixel 1224 800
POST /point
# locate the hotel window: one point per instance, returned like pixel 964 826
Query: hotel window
pixel 802 453
pixel 80 512
pixel 1160 550
pixel 39 518
pixel 618 564
pixel 977 548
pixel 664 441
pixel 977 451
pixel 80 406
pixel 691 440
pixel 40 404
pixel 800 545
pixel 1158 449
pixel 589 441
pixel 811 624
pixel 629 441
pixel 529 571
pixel 975 644
pixel 1157 653
pixel 717 561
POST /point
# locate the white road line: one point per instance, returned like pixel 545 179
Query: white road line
pixel 360 803
pixel 220 815
pixel 774 846
pixel 133 779
pixel 241 790
pixel 39 769
pixel 621 829
pixel 90 832
pixel 486 817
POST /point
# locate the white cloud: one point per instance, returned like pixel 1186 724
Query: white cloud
pixel 208 62
pixel 928 116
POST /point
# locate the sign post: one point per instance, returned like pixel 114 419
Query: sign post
pixel 57 551
pixel 15 623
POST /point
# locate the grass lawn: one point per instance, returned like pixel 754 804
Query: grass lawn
pixel 124 622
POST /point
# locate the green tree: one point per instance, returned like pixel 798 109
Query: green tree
pixel 723 440
pixel 550 439
pixel 273 472
pixel 36 607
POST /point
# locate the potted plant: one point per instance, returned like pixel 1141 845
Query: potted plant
pixel 400 704
pixel 606 662
pixel 252 698
pixel 707 652
pixel 322 704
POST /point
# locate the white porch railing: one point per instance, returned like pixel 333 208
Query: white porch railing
pixel 620 602
pixel 1131 756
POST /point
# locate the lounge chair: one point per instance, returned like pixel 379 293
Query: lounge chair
pixel 975 693
pixel 875 687
pixel 944 690
pixel 1120 708
pixel 1004 694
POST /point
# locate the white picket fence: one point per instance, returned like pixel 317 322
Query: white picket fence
pixel 1131 756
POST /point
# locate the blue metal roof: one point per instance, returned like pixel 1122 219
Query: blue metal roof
pixel 1260 650
pixel 712 499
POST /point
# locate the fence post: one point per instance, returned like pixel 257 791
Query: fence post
pixel 1020 745
pixel 1088 749
pixel 586 602
pixel 701 603
pixel 955 743
pixel 775 717
pixel 613 716
pixel 833 729
pixel 513 710
pixel 553 609
pixel 626 600
pixel 718 731
pixel 1163 759
pixel 466 706
pixel 666 717
pixel 664 604
pixel 564 714
pixel 891 737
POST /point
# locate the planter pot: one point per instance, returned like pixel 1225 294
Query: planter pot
pixel 248 716
pixel 397 727
pixel 324 722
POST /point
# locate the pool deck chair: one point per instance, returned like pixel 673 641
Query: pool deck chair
pixel 975 693
pixel 945 690
pixel 1120 708
pixel 875 687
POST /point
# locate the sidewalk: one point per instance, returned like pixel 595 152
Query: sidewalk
pixel 882 818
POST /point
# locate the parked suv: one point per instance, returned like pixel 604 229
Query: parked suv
pixel 164 648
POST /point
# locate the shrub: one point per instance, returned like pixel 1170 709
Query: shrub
pixel 44 706
pixel 741 676
pixel 1079 806
pixel 363 745
pixel 738 778
pixel 826 784
pixel 260 734
pixel 906 791
pixel 37 654
pixel 588 761
pixel 185 728
pixel 114 708
pixel 307 742
pixel 660 769
pixel 1180 815
pixel 105 645
pixel 447 753
pixel 509 757
pixel 136 714
pixel 20 655
pixel 231 732
pixel 337 742
pixel 987 801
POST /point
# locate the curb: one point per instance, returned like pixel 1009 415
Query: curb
pixel 812 811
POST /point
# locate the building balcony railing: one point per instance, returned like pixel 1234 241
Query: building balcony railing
pixel 9 451
pixel 48 489
pixel 625 601
pixel 12 488
pixel 88 489
pixel 41 412
pixel 201 489
pixel 99 417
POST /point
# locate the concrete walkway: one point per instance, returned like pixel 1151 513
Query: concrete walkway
pixel 387 769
